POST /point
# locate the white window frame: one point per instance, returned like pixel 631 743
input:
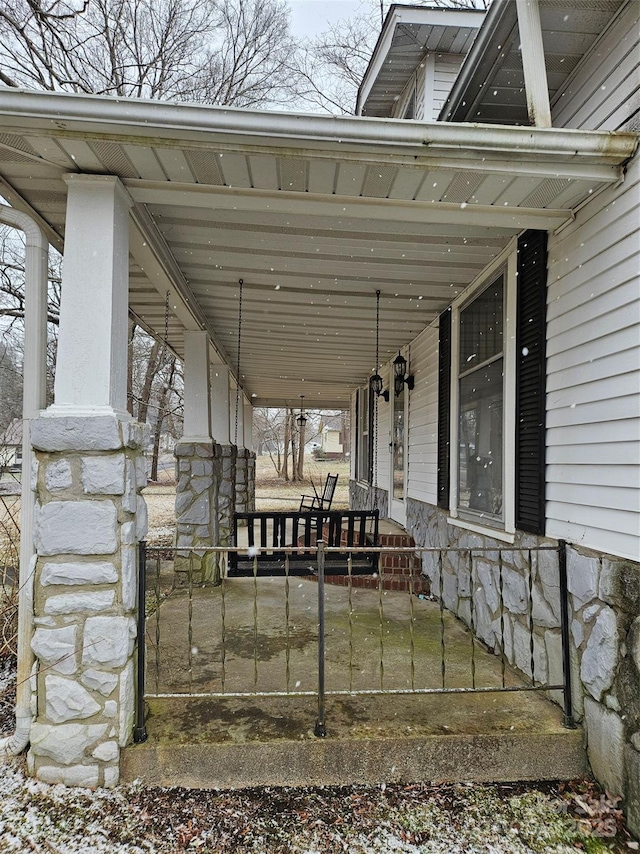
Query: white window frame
pixel 505 263
pixel 360 432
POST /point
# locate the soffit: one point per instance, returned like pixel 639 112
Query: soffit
pixel 313 228
pixel 491 82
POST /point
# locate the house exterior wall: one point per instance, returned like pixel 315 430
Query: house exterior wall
pixel 593 374
pixel 593 346
pixel 423 418
pixel 446 68
pixel 592 449
pixel 432 81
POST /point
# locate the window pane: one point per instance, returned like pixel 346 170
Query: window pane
pixel 481 327
pixel 480 440
pixel 364 444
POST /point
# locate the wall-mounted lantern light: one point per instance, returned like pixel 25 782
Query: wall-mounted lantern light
pixel 400 377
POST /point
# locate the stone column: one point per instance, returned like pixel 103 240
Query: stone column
pixel 245 480
pixel 88 476
pixel 198 469
pixel 226 491
pixel 196 516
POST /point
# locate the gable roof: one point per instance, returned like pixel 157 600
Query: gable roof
pixel 408 33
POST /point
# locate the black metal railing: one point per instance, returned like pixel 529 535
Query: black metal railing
pixel 256 636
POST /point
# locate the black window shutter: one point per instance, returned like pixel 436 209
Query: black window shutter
pixel 531 382
pixel 444 407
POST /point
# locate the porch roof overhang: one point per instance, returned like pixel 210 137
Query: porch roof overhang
pixel 314 213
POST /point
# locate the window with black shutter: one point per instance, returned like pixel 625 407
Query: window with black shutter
pixel 530 382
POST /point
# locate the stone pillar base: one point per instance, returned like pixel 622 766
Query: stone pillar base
pixel 196 516
pixel 226 492
pixel 245 481
pixel 88 475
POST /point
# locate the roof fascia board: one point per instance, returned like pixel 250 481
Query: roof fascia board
pixel 147 122
pixel 495 30
pixel 150 251
pixel 380 51
pixel 416 15
pixel 280 201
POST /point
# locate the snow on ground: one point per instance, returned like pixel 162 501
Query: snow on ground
pixel 393 819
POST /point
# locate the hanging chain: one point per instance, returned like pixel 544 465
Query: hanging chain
pixel 375 411
pixel 241 283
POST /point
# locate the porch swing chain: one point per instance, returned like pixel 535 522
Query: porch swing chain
pixel 375 412
pixel 241 283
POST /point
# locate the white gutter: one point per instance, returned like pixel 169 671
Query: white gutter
pixel 34 399
pixel 147 122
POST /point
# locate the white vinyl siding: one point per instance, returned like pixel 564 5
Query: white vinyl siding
pixel 604 91
pixel 447 66
pixel 381 464
pixel 423 419
pixel 593 374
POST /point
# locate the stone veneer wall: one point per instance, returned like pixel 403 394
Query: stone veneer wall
pixel 88 475
pixel 197 524
pixel 604 614
pixel 360 498
pixel 245 481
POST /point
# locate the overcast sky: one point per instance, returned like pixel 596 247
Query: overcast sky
pixel 310 17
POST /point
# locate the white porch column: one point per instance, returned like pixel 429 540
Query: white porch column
pixel 220 412
pixel 90 513
pixel 535 73
pixel 247 428
pixel 91 369
pixel 197 406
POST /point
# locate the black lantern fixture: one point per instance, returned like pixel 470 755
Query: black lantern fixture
pixel 399 374
pixel 301 420
pixel 375 382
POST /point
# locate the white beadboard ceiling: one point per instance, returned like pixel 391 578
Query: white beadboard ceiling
pixel 314 213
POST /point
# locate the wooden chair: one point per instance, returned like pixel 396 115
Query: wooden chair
pixel 320 502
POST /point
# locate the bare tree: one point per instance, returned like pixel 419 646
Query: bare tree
pixel 214 51
pixel 332 65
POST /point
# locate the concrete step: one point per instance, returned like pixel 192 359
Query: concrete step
pixel 269 741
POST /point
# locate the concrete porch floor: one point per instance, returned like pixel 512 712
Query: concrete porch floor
pixel 232 742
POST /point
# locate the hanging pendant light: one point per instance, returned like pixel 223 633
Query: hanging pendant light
pixel 301 420
pixel 376 383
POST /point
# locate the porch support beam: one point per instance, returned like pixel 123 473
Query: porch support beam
pixel 533 65
pixel 150 250
pixel 220 404
pixel 91 369
pixel 313 204
pixel 197 402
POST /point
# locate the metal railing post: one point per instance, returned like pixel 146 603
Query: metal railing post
pixel 140 730
pixel 320 729
pixel 567 717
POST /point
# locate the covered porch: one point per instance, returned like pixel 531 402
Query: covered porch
pixel 279 255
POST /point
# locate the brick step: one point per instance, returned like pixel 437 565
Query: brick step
pixel 416 583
